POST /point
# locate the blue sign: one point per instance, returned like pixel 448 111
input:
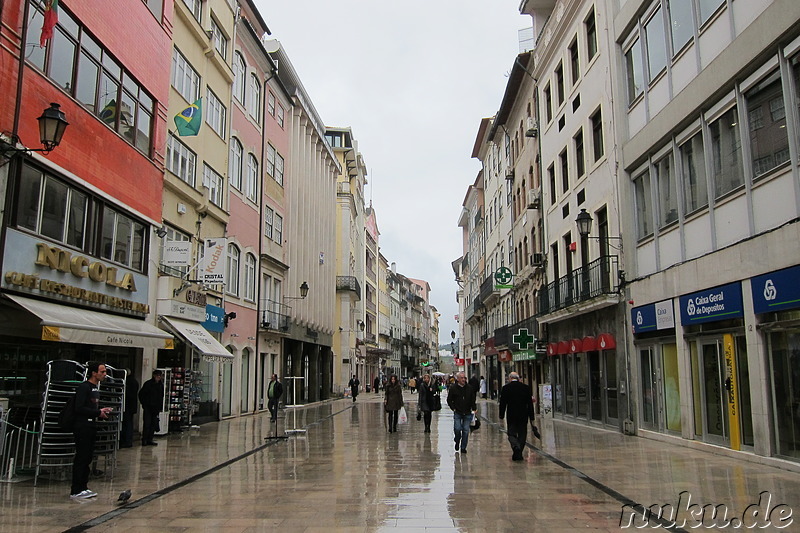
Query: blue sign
pixel 710 305
pixel 215 318
pixel 776 291
pixel 652 317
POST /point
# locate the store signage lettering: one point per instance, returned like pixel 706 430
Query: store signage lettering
pixel 776 291
pixel 80 266
pixel 719 303
pixel 213 269
pixel 653 317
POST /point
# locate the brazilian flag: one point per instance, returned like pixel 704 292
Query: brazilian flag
pixel 189 120
pixel 109 113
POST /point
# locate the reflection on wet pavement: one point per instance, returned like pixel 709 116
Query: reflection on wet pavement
pixel 347 473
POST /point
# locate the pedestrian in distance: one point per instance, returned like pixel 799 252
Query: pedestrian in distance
pixel 354 384
pixel 274 393
pixel 426 400
pixel 393 401
pixel 461 398
pixel 130 410
pixel 151 396
pixel 516 406
pixel 87 411
pixel 412 384
pixel 377 384
pixel 482 386
pixel 475 383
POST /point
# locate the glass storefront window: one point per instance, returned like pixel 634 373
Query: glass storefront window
pixel 672 393
pixel 696 395
pixel 743 380
pixel 785 366
pixel 583 384
pixel 569 386
pixel 648 399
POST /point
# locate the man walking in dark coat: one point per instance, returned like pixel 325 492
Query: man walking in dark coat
pixel 87 410
pixel 516 398
pixel 131 406
pixel 274 393
pixel 152 397
pixel 354 384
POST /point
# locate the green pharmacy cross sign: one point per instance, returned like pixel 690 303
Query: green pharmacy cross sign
pixel 503 277
pixel 523 339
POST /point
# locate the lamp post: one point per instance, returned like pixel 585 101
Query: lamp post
pixel 52 125
pixel 584 223
pixel 303 293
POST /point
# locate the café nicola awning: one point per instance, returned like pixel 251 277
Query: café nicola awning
pixel 199 337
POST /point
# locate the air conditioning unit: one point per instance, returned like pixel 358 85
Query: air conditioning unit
pixel 531 128
pixel 534 199
pixel 537 260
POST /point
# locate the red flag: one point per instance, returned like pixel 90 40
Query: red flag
pixel 50 20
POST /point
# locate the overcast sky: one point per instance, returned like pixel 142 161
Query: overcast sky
pixel 413 80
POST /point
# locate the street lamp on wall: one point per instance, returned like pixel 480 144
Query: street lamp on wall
pixel 303 293
pixel 52 125
pixel 584 222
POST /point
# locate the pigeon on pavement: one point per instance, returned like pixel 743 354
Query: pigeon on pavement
pixel 124 496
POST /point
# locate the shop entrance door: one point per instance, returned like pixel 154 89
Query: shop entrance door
pixel 712 391
pixel 648 365
pixel 608 361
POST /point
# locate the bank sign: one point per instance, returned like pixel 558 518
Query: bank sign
pixel 711 305
pixel 653 317
pixel 776 291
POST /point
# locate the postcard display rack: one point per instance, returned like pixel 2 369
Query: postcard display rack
pixel 56 447
pixel 179 399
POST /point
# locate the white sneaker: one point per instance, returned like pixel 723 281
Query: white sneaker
pixel 84 494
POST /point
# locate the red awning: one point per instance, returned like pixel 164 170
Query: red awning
pixel 563 348
pixel 575 346
pixel 552 348
pixel 505 355
pixel 589 344
pixel 606 341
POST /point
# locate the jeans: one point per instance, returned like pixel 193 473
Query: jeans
pixel 272 405
pixel 461 428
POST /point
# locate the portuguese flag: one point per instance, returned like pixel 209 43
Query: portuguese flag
pixel 50 20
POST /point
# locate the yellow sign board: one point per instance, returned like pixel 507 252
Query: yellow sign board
pixel 731 386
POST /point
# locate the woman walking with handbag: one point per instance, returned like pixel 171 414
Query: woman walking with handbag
pixel 393 401
pixel 426 404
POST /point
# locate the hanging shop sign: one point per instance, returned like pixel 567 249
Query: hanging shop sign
pixel 177 254
pixel 711 305
pixel 49 270
pixel 214 318
pixel 776 291
pixel 182 310
pixel 653 317
pixel 212 266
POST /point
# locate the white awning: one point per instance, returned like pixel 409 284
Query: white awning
pixel 197 335
pixel 62 323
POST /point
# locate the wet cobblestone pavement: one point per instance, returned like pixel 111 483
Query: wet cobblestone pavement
pixel 347 473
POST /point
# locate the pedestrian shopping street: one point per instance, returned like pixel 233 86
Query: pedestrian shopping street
pixel 347 473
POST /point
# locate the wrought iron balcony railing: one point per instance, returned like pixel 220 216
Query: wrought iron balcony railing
pixel 348 283
pixel 274 316
pixel 599 277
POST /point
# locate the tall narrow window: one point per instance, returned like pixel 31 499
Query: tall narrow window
pixel 633 69
pixel 726 153
pixel 215 184
pixel 278 233
pixel 181 161
pixel 564 160
pixel 250 277
pixel 185 78
pixel 239 72
pixel 597 134
pixel 574 61
pixel 215 113
pixel 680 18
pixel 255 98
pixel 269 214
pixel 251 186
pixel 232 281
pixel 591 35
pixel 551 177
pixel 656 45
pixel 644 210
pixel 693 168
pixel 766 113
pixel 560 84
pixel 580 163
pixel 220 40
pixel 708 8
pixel 235 164
pixel 667 195
pixel 548 103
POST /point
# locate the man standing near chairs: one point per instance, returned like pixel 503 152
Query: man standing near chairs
pixel 151 395
pixel 516 397
pixel 87 410
pixel 274 393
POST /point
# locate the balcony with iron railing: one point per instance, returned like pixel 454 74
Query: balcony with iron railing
pixel 371 306
pixel 488 294
pixel 600 277
pixel 348 283
pixel 274 316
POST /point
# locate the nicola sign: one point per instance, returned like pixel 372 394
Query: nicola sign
pixel 653 317
pixel 719 303
pixel 776 291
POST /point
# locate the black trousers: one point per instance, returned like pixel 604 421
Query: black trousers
pixel 393 416
pixel 84 452
pixel 426 417
pixel 517 434
pixel 272 405
pixel 149 425
pixel 126 434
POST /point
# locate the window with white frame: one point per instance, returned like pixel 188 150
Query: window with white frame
pixel 235 164
pixel 279 114
pixel 122 239
pixel 181 161
pixel 634 71
pixel 644 210
pixel 560 84
pixel 726 152
pixel 693 170
pixel 766 114
pixel 278 176
pixel 185 78
pixel 278 229
pixel 580 159
pixel 574 61
pixel 271 104
pixel 255 98
pixel 220 40
pixel 597 134
pixel 667 195
pixel 251 185
pixel 656 45
pixel 195 8
pixel 591 35
pixel 174 235
pixel 250 277
pixel 239 73
pixel 269 216
pixel 215 113
pixel 232 270
pixel 215 185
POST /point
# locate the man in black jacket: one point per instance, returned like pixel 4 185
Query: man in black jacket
pixel 461 398
pixel 516 397
pixel 151 396
pixel 131 406
pixel 274 393
pixel 87 410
